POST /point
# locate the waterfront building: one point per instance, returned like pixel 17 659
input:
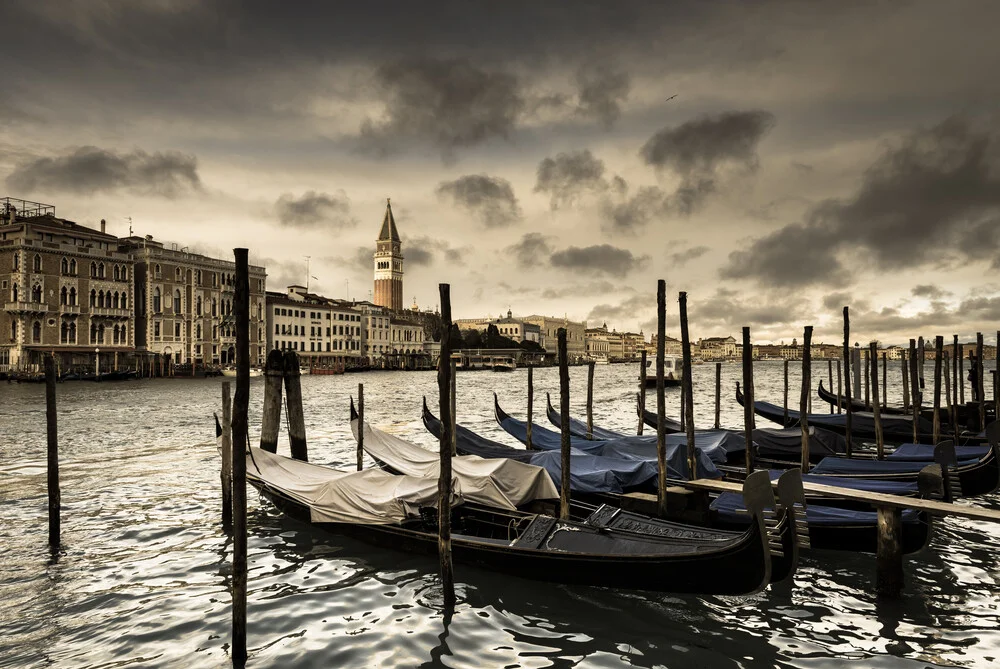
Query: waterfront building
pixel 391 340
pixel 576 346
pixel 184 304
pixel 717 348
pixel 389 264
pixel 509 326
pixel 68 291
pixel 597 344
pixel 671 346
pixel 325 332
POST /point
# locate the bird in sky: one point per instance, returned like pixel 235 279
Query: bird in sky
pixel 672 97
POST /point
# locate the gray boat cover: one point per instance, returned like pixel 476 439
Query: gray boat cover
pixel 368 497
pixel 505 484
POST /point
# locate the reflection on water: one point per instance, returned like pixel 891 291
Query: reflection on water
pixel 144 574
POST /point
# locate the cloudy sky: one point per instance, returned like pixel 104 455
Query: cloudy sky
pixel 776 160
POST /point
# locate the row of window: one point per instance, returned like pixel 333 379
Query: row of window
pixel 227 331
pixel 315 330
pixel 223 278
pixel 317 347
pixel 313 315
pixel 67 333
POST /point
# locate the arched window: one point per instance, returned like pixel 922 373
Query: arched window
pixel 93 270
pixel 114 301
pixel 17 261
pixel 72 266
pixel 72 333
pixel 156 271
pixel 13 292
pixel 100 270
pixel 197 331
pixel 100 299
pixel 64 266
pixel 63 295
pixel 13 330
pixel 124 301
pixel 93 333
pixel 100 333
pixel 115 274
pixel 64 333
pixel 114 335
pixel 72 296
pixel 36 333
pixel 156 300
pixel 37 265
pixel 215 307
pixel 36 294
pixel 93 297
pixel 198 305
pixel 177 301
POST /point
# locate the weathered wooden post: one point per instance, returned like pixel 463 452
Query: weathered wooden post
pixel 590 399
pixel 361 426
pixel 806 392
pixel 915 389
pixel 920 364
pixel 847 386
pixel 856 355
pixel 885 375
pixel 564 444
pixel 454 408
pixel 270 421
pixel 840 394
pixel 889 556
pixel 444 474
pixel 868 365
pixel 996 381
pixel 829 377
pixel 683 416
pixel 531 405
pixel 961 370
pixel 876 405
pixel 686 388
pixel 227 458
pixel 296 418
pixel 947 391
pixel 748 399
pixel 980 386
pixel 241 312
pixel 785 403
pixel 661 420
pixel 718 394
pixel 52 437
pixel 938 354
pixel 904 361
pixel 642 391
pixel 955 355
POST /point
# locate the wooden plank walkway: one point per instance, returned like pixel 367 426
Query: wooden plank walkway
pixel 876 499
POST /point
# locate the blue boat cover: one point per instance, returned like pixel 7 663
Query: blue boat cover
pixel 712 445
pixel 588 473
pixel 860 422
pixel 729 507
pixel 835 466
pixel 904 488
pixel 925 452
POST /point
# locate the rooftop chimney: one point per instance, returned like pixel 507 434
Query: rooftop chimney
pixel 103 223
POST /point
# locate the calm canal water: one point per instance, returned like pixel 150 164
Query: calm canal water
pixel 144 577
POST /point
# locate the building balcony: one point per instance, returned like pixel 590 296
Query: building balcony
pixel 69 308
pixel 27 307
pixel 108 311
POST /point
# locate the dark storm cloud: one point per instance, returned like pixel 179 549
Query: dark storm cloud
pixel 600 258
pixel 361 261
pixel 929 291
pixel 602 92
pixel 732 310
pixel 491 199
pixel 681 258
pixel 90 170
pixel 624 213
pixel 449 103
pixel 628 309
pixel 699 151
pixel 577 289
pixel 837 301
pixel 570 175
pixel 424 251
pixel 530 251
pixel 312 209
pixel 931 199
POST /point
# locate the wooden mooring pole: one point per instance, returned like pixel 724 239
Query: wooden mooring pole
pixel 718 394
pixel 885 374
pixel 946 375
pixel 361 426
pixel 868 365
pixel 785 403
pixel 921 358
pixel 444 450
pixel 840 394
pixel 661 420
pixel 806 392
pixel 915 389
pixel 453 393
pixel 241 311
pixel 980 385
pixel 847 385
pixel 876 405
pixel 938 354
pixel 227 458
pixel 564 444
pixel 905 364
pixel 52 438
pixel 270 421
pixel 531 405
pixel 961 370
pixel 296 417
pixel 686 388
pixel 748 399
pixel 590 399
pixel 641 398
pixel 829 378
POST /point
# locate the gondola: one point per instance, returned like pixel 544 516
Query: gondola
pixel 395 512
pixel 828 527
pixel 975 477
pixel 780 445
pixel 961 410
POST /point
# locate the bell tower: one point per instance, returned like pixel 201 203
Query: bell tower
pixel 388 264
